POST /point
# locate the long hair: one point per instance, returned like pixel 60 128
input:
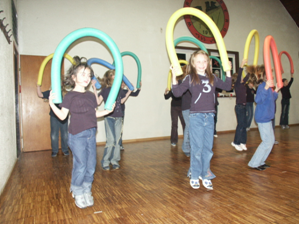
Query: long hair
pixel 73 71
pixel 193 72
pixel 107 79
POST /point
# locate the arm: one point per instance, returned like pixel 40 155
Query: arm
pixel 291 81
pixel 95 91
pixel 167 94
pixel 39 92
pixel 60 113
pixel 135 93
pixel 261 93
pixel 104 112
pixel 179 90
pixel 123 100
pixel 100 100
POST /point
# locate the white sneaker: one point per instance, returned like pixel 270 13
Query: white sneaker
pixel 195 184
pixel 215 135
pixel 248 128
pixel 243 146
pixel 282 126
pixel 287 126
pixel 237 147
pixel 80 201
pixel 207 183
pixel 89 199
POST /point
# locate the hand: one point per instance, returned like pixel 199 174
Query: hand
pixel 244 61
pixel 277 88
pixel 269 83
pixel 52 96
pixel 140 85
pixel 292 75
pixel 230 64
pixel 174 69
pixel 166 91
pixel 94 84
pixel 113 108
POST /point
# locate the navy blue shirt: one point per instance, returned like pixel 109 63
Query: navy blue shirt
pixel 240 88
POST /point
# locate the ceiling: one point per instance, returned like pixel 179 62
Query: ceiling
pixel 292 6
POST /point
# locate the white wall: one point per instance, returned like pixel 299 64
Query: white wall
pixel 8 149
pixel 139 26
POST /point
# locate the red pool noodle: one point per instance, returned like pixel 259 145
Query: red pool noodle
pixel 290 59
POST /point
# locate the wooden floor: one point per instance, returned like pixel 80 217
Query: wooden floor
pixel 152 187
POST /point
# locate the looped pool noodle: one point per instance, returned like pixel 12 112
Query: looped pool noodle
pixel 190 39
pixel 66 42
pixel 111 67
pixel 247 46
pixel 221 66
pixel 290 59
pixel 209 22
pixel 44 63
pixel 270 42
pixel 138 63
pixel 170 74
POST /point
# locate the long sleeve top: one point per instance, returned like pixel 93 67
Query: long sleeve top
pixel 240 88
pixel 285 91
pixel 265 100
pixel 203 94
pixel 176 101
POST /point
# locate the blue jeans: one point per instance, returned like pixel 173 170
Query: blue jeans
pixel 240 132
pixel 113 127
pixel 121 140
pixel 285 107
pixel 249 113
pixel 262 152
pixel 186 147
pixel 56 126
pixel 83 147
pixel 201 139
pixel 216 119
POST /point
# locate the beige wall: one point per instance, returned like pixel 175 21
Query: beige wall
pixel 8 150
pixel 139 26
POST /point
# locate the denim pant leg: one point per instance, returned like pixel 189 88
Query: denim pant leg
pixel 54 134
pixel 64 137
pixel 201 139
pixel 186 147
pixel 265 147
pixel 249 113
pixel 216 119
pixel 121 141
pixel 83 147
pixel 113 126
pixel 240 132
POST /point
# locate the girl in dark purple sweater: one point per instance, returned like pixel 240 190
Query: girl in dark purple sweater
pixel 202 84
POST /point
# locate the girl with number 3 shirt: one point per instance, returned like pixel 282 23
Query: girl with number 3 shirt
pixel 202 84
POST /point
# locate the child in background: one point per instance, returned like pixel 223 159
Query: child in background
pixel 249 106
pixel 240 137
pixel 56 126
pixel 264 113
pixel 133 94
pixel 82 105
pixel 113 123
pixel 176 113
pixel 201 83
pixel 285 102
pixel 185 108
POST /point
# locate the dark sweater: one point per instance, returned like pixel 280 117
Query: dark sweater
pixel 203 94
pixel 250 94
pixel 285 91
pixel 240 88
pixel 176 101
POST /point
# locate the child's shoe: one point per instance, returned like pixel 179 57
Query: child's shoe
pixel 243 146
pixel 195 184
pixel 237 147
pixel 89 199
pixel 80 201
pixel 207 183
pixel 287 126
pixel 283 127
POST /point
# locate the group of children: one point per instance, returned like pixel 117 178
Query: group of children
pixel 202 84
pixel 82 105
pixel 198 92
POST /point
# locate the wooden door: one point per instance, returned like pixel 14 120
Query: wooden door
pixel 35 111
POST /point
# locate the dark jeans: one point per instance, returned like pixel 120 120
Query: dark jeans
pixel 175 113
pixel 249 113
pixel 56 126
pixel 240 132
pixel 215 120
pixel 285 106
